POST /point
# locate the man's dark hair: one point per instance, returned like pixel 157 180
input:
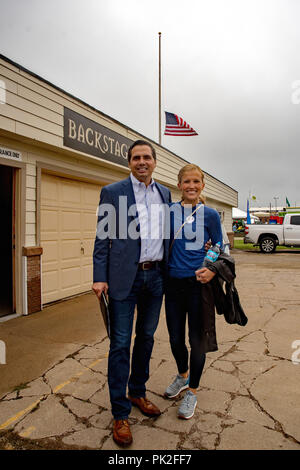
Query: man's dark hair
pixel 141 142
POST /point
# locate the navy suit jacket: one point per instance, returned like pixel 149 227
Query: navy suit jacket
pixel 116 259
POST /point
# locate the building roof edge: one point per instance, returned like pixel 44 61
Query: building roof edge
pixel 33 74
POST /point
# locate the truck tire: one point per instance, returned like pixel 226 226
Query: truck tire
pixel 267 245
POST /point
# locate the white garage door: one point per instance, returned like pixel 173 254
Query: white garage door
pixel 68 227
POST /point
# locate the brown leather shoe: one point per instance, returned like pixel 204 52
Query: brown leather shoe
pixel 121 432
pixel 146 407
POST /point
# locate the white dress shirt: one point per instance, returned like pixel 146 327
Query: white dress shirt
pixel 151 218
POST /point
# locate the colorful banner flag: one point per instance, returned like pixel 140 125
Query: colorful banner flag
pixel 175 125
pixel 248 213
pixel 287 202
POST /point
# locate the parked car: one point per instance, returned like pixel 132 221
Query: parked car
pixel 267 237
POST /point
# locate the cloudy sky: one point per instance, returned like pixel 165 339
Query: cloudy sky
pixel 230 68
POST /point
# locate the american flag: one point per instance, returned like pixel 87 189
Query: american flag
pixel 175 125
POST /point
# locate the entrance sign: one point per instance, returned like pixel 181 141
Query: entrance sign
pixel 10 154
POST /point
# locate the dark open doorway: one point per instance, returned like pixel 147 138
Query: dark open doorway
pixel 6 240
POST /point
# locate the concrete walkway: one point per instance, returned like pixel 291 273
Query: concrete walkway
pixel 54 392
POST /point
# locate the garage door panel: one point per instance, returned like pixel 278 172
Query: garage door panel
pixel 49 190
pixel 70 221
pixel 86 262
pixel 49 297
pixel 87 277
pixel 89 222
pixel 70 193
pixel 51 267
pixel 89 195
pixel 51 280
pixel 88 247
pixel 68 292
pixel 88 244
pixel 70 277
pixel 64 236
pixel 89 238
pixel 70 250
pixel 70 264
pixel 68 228
pixel 50 252
pixel 49 220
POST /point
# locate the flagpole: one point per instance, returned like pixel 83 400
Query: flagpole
pixel 159 90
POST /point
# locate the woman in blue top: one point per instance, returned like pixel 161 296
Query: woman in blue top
pixel 189 290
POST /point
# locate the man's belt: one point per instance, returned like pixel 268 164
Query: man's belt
pixel 147 265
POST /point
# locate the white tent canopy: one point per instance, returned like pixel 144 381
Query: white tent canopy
pixel 239 214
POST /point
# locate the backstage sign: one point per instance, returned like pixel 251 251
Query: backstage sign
pixel 85 135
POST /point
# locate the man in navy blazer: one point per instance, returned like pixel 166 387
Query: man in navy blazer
pixel 129 266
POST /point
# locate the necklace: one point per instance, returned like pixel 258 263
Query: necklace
pixel 190 218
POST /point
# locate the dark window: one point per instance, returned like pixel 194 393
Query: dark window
pixel 295 220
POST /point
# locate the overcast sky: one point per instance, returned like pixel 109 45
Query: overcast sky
pixel 230 68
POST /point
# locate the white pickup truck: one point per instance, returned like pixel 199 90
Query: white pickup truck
pixel 267 237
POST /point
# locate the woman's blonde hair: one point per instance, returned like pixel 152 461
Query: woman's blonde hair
pixel 192 167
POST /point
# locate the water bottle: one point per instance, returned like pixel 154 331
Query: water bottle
pixel 212 254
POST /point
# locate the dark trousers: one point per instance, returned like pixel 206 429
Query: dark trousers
pixel 185 298
pixel 146 294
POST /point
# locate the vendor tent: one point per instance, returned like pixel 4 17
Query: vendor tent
pixel 239 214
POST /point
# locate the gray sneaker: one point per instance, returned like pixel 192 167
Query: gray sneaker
pixel 188 405
pixel 180 383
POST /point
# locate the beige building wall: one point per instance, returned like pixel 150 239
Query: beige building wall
pixel 32 120
pixel 34 109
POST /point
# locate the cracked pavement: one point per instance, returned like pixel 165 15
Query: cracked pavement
pixel 248 396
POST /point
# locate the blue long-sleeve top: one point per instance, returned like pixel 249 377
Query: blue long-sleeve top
pixel 188 249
